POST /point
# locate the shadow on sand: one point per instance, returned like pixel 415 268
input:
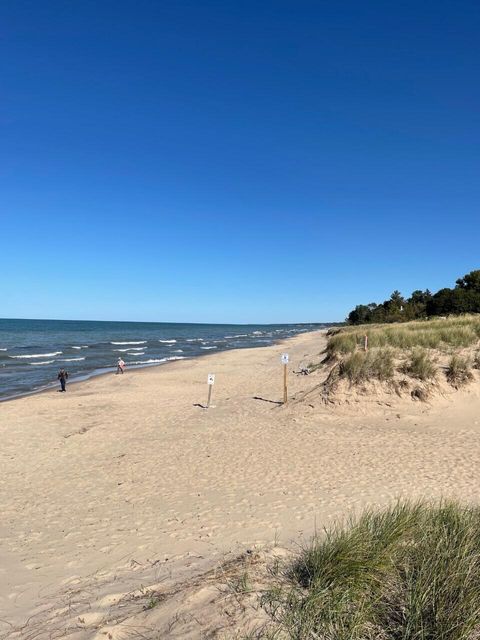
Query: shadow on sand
pixel 278 402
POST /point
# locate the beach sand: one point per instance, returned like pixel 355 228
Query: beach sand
pixel 124 484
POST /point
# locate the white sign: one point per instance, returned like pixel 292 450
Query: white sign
pixel 284 358
pixel 211 378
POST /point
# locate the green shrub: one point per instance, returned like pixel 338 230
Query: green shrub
pixel 410 572
pixel 420 365
pixel 459 371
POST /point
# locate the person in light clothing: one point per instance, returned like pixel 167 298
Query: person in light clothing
pixel 120 366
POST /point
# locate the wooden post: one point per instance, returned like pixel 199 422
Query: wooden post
pixel 366 343
pixel 285 363
pixel 209 395
pixel 210 382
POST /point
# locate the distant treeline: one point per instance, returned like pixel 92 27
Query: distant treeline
pixel 464 298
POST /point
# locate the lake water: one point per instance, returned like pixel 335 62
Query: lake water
pixel 32 351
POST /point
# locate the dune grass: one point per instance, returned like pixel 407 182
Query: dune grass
pixel 459 370
pixel 410 348
pixel 476 360
pixel 361 366
pixel 409 572
pixel 441 334
pixel 420 365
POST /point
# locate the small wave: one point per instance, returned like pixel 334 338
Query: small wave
pixel 38 355
pixel 84 346
pixel 150 361
pixel 3 349
pixel 156 360
pixel 138 353
pixel 128 349
pixel 178 351
pixel 238 335
pixel 134 342
pixel 69 360
pixel 257 333
pixel 45 362
pixel 194 339
pixel 208 347
pixel 168 341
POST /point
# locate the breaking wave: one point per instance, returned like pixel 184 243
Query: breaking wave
pixel 38 355
pixel 156 360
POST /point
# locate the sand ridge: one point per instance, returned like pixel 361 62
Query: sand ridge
pixel 124 482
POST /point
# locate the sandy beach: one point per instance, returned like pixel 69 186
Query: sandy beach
pixel 125 483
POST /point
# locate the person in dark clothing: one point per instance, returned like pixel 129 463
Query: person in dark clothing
pixel 63 376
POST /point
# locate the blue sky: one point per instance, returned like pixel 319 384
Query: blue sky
pixel 235 161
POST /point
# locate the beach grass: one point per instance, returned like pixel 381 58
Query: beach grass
pixel 420 365
pixel 459 370
pixel 476 359
pixel 408 572
pixel 440 333
pixel 412 349
pixel 360 366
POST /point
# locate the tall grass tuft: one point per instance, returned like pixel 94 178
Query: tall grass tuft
pixel 420 365
pixel 410 572
pixel 341 343
pixel 459 371
pixel 361 366
pixel 476 360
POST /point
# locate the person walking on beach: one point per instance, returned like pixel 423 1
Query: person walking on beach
pixel 120 366
pixel 62 376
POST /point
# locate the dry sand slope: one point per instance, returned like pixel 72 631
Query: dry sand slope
pixel 123 483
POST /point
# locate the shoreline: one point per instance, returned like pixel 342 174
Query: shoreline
pixel 99 373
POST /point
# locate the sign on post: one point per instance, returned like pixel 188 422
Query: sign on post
pixel 210 382
pixel 285 363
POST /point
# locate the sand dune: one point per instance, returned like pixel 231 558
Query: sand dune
pixel 125 487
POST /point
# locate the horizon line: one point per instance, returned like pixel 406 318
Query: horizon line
pixel 239 324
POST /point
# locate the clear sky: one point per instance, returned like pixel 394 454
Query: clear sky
pixel 235 161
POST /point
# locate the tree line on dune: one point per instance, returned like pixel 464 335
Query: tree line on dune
pixel 463 298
